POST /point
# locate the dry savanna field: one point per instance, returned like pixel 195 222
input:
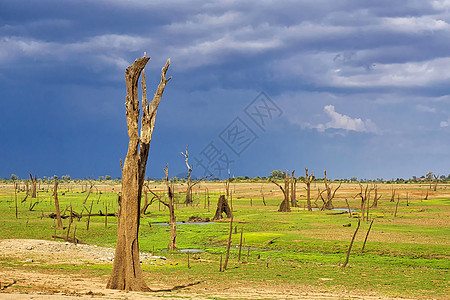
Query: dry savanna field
pixel 272 255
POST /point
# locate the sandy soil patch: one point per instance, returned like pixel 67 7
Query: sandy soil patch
pixel 17 283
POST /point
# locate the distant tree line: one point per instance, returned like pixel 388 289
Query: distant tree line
pixel 274 175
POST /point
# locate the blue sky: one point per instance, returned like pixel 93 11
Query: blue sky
pixel 360 88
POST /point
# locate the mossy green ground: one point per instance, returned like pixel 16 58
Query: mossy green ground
pixel 406 255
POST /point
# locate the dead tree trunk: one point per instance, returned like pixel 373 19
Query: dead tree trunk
pixel 328 202
pixel 293 190
pixel 308 180
pixel 146 204
pixel 375 197
pixel 172 220
pixel 262 194
pixel 284 206
pixel 393 194
pixel 58 212
pixel 222 207
pixel 190 185
pixel 365 197
pixel 33 186
pixel 436 179
pixel 90 190
pixel 188 200
pixel 351 244
pixel 227 256
pixel 127 273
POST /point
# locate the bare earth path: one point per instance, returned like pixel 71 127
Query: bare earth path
pixel 42 283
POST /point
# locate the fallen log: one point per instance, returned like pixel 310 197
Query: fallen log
pixel 336 213
pixel 79 216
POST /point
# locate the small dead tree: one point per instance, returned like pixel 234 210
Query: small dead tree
pixel 351 245
pixel 308 180
pixel 33 186
pixel 436 179
pixel 293 190
pixel 189 188
pixel 329 196
pixel 227 256
pixel 284 206
pixel 58 212
pixel 146 204
pixel 375 197
pixel 172 219
pixel 262 194
pixel 127 273
pixel 367 235
pixel 393 194
pixel 365 196
pixel 190 185
pixel 91 186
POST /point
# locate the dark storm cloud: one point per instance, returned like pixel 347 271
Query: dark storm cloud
pixel 334 66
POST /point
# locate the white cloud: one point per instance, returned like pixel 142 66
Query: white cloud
pixel 425 108
pixel 410 74
pixel 340 121
pixel 108 48
pixel 444 123
pixel 415 24
pixel 440 4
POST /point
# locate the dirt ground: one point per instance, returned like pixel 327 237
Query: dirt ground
pixel 41 283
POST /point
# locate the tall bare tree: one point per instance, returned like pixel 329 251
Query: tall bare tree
pixel 308 180
pixel 127 273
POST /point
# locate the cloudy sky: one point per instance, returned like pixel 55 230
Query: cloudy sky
pixel 360 88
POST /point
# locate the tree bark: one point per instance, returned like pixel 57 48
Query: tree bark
pixel 127 273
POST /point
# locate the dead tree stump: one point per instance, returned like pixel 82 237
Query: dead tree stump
pixel 222 207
